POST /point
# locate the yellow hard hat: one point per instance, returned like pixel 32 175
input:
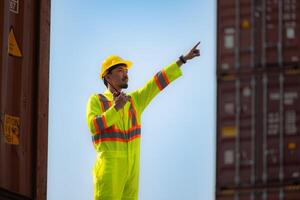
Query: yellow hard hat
pixel 111 61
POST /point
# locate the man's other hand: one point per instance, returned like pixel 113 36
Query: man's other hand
pixel 120 100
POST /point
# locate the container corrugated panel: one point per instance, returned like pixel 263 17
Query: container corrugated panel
pixel 234 24
pixel 232 127
pixel 287 192
pixel 256 34
pixel 258 130
pixel 24 57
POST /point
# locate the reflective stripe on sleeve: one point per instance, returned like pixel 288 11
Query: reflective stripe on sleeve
pixel 161 79
pixel 96 126
pixel 100 123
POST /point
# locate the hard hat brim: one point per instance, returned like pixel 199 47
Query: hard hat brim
pixel 127 63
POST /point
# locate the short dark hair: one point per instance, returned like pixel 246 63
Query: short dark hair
pixel 110 70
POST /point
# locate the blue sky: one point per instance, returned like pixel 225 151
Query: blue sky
pixel 178 127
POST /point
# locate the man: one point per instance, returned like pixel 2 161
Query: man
pixel 114 121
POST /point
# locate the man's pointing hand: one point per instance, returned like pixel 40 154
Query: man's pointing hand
pixel 194 52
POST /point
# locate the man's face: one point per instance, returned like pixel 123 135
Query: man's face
pixel 119 77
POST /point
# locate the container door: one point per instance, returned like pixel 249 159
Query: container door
pixel 18 97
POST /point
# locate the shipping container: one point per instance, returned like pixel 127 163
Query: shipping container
pixel 258 98
pixel 288 192
pixel 24 77
pixel 258 129
pixel 257 34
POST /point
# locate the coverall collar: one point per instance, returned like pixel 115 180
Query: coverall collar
pixel 108 95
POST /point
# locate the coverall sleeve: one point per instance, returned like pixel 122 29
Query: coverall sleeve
pixel 98 120
pixel 158 82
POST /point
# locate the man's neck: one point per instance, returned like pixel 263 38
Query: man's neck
pixel 112 90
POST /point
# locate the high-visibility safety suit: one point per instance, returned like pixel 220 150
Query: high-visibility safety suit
pixel 116 137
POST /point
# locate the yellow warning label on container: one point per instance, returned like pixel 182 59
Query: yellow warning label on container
pixel 292 146
pixel 228 77
pixel 12 129
pixel 227 192
pixel 229 131
pixel 292 187
pixel 245 24
pixel 293 72
pixel 13 47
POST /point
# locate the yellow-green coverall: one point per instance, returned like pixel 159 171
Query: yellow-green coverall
pixel 116 137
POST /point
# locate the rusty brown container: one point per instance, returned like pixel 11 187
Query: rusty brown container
pixel 257 34
pixel 258 99
pixel 24 77
pixel 258 129
pixel 288 192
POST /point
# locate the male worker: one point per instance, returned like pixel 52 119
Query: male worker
pixel 114 119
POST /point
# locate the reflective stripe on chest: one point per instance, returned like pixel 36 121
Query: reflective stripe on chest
pixel 104 133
